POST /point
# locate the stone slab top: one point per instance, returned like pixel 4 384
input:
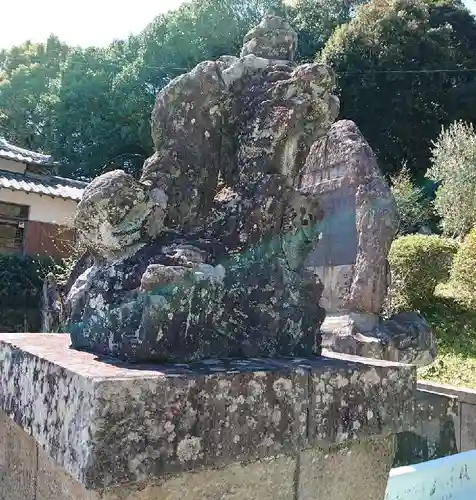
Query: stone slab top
pixel 55 349
pixel 109 423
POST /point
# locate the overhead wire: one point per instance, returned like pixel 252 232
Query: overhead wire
pixel 67 63
pixel 64 64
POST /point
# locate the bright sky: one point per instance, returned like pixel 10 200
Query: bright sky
pixel 89 22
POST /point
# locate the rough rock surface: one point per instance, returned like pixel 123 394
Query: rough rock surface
pixel 359 225
pixel 187 266
pixel 112 214
pixel 139 423
pixel 208 255
pixel 360 220
pixel 272 39
pixel 187 123
pixel 404 337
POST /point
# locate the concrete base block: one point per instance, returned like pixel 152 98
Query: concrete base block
pixel 359 467
pixel 356 470
pixel 18 462
pixel 73 427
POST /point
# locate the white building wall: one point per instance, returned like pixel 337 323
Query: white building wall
pixel 42 208
pixel 12 166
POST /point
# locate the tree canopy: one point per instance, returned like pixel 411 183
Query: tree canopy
pixel 405 68
pixel 453 168
pixel 90 107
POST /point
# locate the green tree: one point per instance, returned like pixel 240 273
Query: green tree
pixel 453 167
pixel 106 96
pixel 463 272
pixel 401 68
pixel 90 108
pixel 414 208
pixel 315 20
pixel 93 131
pixel 29 82
pixel 418 262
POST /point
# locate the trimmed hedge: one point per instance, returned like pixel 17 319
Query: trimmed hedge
pixel 418 263
pixel 463 273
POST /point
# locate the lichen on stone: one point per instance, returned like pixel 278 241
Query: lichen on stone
pixel 358 228
pixel 204 255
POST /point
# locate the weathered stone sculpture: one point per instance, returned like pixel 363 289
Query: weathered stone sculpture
pixel 208 253
pixel 187 266
pixel 205 257
pixel 358 228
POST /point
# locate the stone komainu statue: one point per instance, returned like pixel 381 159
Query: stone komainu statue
pixel 207 254
pixel 187 266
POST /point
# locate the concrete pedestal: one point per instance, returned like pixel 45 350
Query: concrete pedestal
pixel 77 428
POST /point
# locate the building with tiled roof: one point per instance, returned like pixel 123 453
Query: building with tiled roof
pixel 36 206
pixel 10 152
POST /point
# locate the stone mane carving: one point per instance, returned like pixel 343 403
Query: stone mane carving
pixel 204 255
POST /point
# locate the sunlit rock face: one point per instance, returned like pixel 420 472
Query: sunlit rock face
pixel 205 255
pixel 113 213
pixel 358 228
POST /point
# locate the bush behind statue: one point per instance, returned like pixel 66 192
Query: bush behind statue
pixel 418 263
pixel 415 210
pixel 463 273
pixel 21 283
pixel 453 168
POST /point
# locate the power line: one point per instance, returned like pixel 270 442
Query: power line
pixel 64 64
pixel 410 71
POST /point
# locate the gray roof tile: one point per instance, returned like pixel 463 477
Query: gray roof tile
pixel 41 184
pixel 11 152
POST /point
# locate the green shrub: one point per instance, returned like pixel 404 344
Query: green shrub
pixel 463 273
pixel 453 168
pixel 414 209
pixel 418 263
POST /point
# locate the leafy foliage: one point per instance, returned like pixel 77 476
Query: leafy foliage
pixel 463 273
pixel 90 108
pixel 454 168
pixel 418 263
pixel 402 73
pixel 21 278
pixel 414 208
pixel 29 81
pixel 21 283
pixel 315 20
pixel 454 326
